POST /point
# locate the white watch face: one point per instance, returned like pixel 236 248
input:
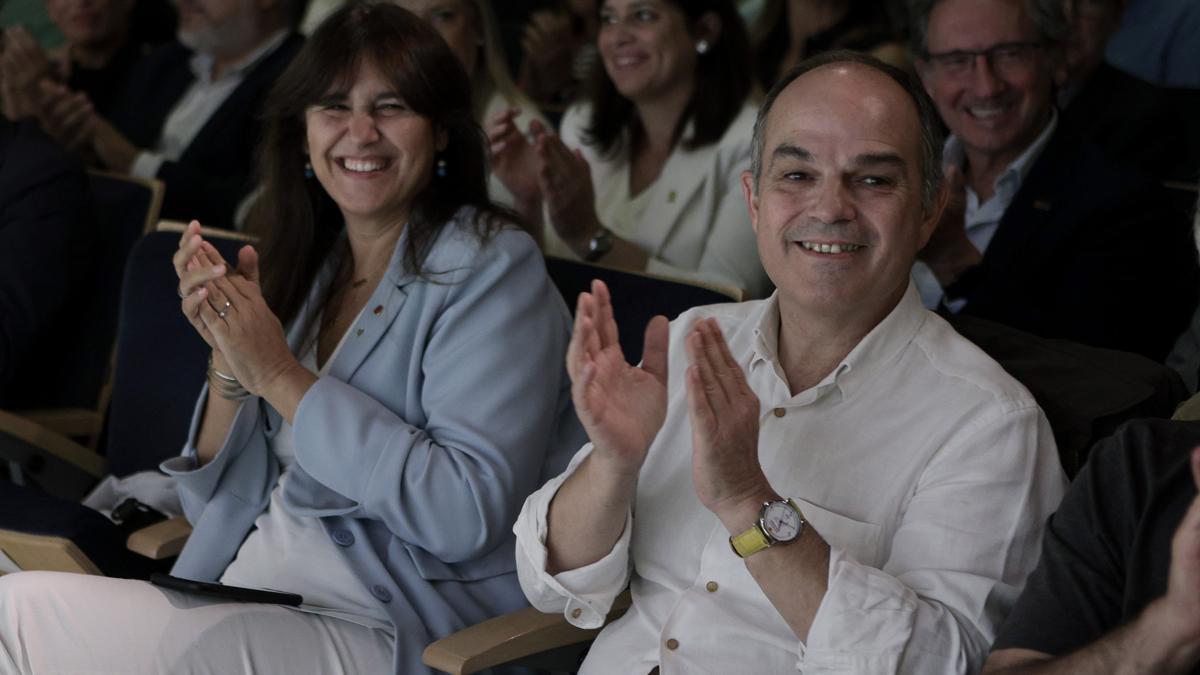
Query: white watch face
pixel 781 521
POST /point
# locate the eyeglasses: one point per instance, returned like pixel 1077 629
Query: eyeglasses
pixel 1010 57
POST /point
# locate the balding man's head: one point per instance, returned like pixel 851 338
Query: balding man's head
pixel 930 159
pixel 845 187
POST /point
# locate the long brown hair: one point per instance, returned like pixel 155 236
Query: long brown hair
pixel 298 222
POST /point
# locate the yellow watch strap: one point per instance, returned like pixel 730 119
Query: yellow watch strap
pixel 749 542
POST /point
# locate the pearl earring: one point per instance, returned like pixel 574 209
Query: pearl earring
pixel 702 46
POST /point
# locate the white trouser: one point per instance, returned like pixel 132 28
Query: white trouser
pixel 53 624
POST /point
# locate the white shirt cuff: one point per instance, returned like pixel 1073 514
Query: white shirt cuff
pixel 589 591
pixel 927 284
pixel 933 296
pixel 146 165
pixel 864 622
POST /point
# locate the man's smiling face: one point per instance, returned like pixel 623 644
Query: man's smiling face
pixel 837 207
pixel 996 106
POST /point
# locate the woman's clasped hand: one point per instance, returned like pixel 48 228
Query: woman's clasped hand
pixel 227 309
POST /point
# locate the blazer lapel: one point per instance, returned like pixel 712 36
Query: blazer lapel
pixel 144 122
pixel 247 95
pixel 376 317
pixel 685 174
pixel 1033 223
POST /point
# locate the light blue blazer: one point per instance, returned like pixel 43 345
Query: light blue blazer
pixel 447 405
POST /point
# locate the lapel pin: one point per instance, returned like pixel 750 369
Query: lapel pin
pixel 671 197
pixel 358 333
pixel 378 310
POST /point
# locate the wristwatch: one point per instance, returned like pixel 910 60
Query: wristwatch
pixel 599 245
pixel 779 522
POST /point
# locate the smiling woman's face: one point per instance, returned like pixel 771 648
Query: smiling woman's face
pixel 370 151
pixel 646 47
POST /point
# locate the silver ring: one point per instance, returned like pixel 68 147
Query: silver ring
pixel 224 310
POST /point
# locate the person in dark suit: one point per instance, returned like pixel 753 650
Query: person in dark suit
pixel 1046 235
pixel 45 233
pixel 1117 586
pixel 1133 121
pixel 187 115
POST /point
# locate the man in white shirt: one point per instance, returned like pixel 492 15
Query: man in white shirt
pixel 901 477
pixel 1038 235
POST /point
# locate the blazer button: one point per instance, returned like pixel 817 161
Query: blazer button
pixel 343 537
pixel 381 593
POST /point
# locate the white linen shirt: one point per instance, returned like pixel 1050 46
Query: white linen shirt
pixel 981 219
pixel 927 469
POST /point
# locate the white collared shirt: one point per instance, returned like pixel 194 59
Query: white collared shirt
pixel 927 469
pixel 982 219
pixel 197 105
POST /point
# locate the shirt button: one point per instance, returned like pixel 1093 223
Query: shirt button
pixel 343 537
pixel 672 644
pixel 780 412
pixel 381 593
pixel 711 586
pixel 575 613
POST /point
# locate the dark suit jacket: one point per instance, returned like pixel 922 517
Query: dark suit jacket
pixel 1134 122
pixel 1088 251
pixel 215 171
pixel 46 234
pixel 1085 392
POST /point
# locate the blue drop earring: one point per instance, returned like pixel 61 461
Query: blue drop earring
pixel 308 171
pixel 441 170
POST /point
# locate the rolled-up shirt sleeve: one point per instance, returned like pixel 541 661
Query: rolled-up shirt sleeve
pixel 146 164
pixel 590 589
pixel 968 538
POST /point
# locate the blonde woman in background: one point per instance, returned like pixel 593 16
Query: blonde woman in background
pixel 471 30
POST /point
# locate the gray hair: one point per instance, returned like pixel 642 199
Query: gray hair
pixel 1048 19
pixel 932 137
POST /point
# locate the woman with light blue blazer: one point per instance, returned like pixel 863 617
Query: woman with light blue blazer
pixel 372 456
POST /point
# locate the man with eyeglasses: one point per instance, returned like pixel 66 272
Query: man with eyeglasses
pixel 1047 236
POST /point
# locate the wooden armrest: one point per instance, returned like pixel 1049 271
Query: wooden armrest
pixel 45 552
pixel 209 232
pixel 70 422
pixel 164 539
pixel 52 443
pixel 509 637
